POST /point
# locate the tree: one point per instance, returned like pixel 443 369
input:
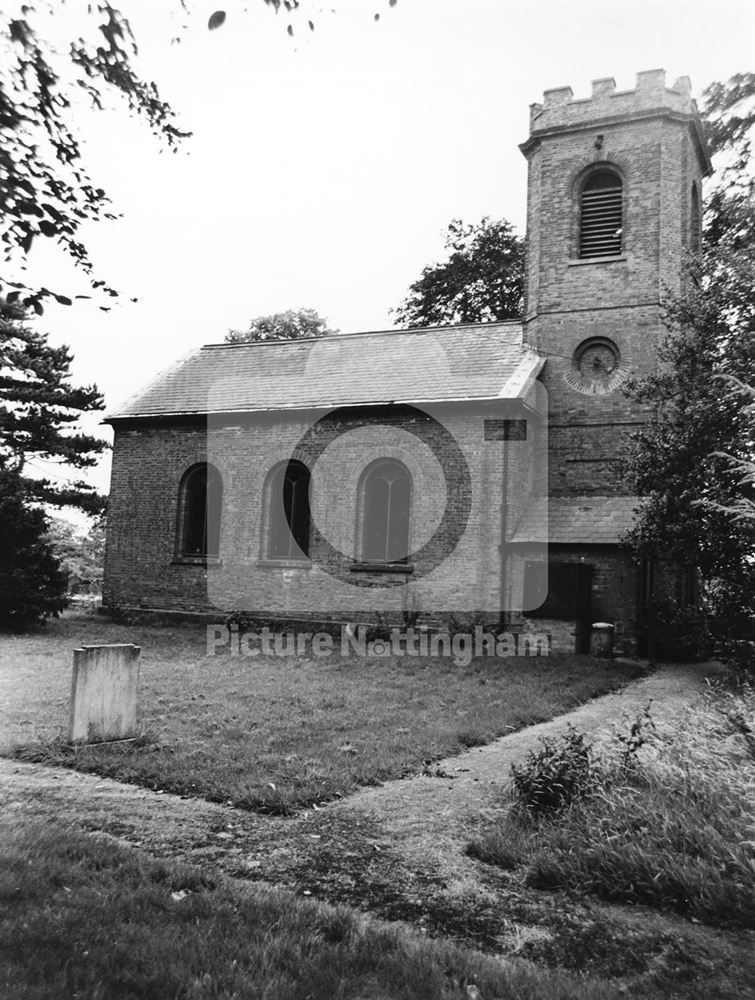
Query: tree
pixel 32 582
pixel 293 324
pixel 693 462
pixel 45 190
pixel 482 279
pixel 688 461
pixel 38 410
pixel 728 113
pixel 743 507
pixel 79 554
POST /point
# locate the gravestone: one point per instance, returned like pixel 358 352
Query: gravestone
pixel 103 693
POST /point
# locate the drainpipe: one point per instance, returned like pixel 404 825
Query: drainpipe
pixel 502 617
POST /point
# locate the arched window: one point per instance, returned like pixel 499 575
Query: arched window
pixel 695 221
pixel 200 509
pixel 386 512
pixel 288 517
pixel 601 214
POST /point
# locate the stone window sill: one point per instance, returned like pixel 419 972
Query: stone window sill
pixel 285 563
pixel 584 261
pixel 197 561
pixel 373 567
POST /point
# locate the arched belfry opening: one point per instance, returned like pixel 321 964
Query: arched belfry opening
pixel 601 215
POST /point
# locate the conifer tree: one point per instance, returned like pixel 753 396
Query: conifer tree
pixel 39 408
pixel 32 582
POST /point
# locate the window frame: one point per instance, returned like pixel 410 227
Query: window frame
pixel 366 560
pixel 295 555
pixel 207 554
pixel 608 167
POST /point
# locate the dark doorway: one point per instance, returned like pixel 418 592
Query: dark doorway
pixel 567 598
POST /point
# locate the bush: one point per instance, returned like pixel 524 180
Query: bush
pixel 32 583
pixel 681 634
pixel 553 775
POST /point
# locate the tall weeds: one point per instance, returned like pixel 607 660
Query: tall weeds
pixel 659 816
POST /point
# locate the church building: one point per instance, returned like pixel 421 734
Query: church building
pixel 437 475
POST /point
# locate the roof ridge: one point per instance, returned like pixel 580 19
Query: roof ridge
pixel 364 333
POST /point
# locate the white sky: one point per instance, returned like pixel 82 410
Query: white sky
pixel 324 170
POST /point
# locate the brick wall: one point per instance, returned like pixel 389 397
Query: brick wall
pixel 150 461
pixel 649 136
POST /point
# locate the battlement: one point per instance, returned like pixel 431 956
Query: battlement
pixel 559 110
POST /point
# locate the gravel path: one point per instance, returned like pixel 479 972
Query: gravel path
pixel 431 818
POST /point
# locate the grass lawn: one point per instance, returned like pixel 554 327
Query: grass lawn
pixel 84 917
pixel 274 734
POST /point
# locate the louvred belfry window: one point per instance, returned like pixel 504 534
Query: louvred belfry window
pixel 601 215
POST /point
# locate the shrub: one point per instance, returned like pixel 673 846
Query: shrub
pixel 32 583
pixel 681 634
pixel 553 775
pixel 640 732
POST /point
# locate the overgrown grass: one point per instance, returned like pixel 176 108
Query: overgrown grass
pixel 85 917
pixel 664 818
pixel 275 734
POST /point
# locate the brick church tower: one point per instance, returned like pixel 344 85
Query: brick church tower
pixel 614 195
pixel 614 204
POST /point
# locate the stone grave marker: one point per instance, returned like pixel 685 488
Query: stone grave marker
pixel 103 693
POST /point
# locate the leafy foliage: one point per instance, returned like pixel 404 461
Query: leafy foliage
pixel 728 112
pixel 32 583
pixel 743 506
pixel 682 634
pixel 79 554
pixel 693 460
pixel 482 279
pixel 45 192
pixel 679 461
pixel 38 406
pixel 293 324
pixel 553 775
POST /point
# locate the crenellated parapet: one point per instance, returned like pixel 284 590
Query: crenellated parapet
pixel 560 112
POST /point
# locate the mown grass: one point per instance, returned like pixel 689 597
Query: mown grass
pixel 276 734
pixel 85 917
pixel 668 823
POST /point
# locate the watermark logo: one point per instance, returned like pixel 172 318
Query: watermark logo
pixel 403 509
pixel 355 641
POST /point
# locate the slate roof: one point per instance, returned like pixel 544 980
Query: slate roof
pixel 436 364
pixel 580 520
